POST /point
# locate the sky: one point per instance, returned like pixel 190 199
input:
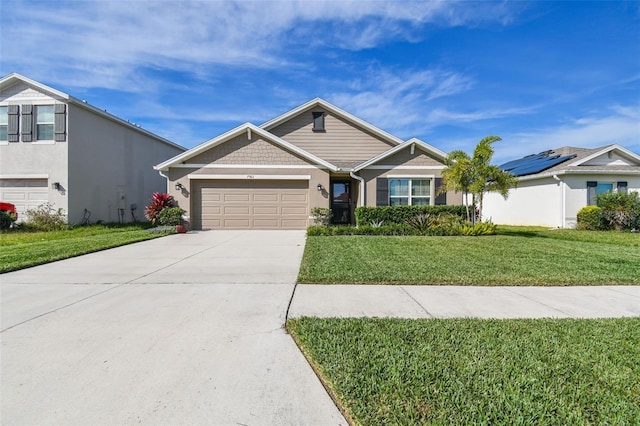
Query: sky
pixel 540 75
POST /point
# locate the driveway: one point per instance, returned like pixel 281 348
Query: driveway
pixel 183 329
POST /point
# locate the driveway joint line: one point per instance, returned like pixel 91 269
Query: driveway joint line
pixel 60 308
pixel 538 302
pixel 178 261
pixel 418 303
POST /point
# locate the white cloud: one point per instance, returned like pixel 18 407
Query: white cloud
pixel 620 124
pixel 111 44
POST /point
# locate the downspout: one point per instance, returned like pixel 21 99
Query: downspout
pixel 166 177
pixel 362 191
pixel 562 201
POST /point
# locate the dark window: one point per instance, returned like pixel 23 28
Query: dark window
pixel 318 121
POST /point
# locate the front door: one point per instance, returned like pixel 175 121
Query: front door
pixel 341 202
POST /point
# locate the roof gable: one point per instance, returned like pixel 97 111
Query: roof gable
pixel 413 142
pixel 233 133
pixel 25 89
pixel 321 103
pixel 572 160
pixel 612 155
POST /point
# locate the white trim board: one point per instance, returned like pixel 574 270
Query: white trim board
pixel 243 166
pixel 25 176
pixel 247 177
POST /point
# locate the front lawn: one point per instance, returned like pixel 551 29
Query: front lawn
pixel 471 371
pixel 20 250
pixel 516 256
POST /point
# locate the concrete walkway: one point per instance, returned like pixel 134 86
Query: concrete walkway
pixel 458 301
pixel 186 329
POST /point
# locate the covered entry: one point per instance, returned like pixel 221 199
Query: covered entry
pixel 250 204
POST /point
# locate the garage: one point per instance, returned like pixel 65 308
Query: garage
pixel 26 194
pixel 250 204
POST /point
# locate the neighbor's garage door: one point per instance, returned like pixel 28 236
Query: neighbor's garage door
pixel 250 204
pixel 24 193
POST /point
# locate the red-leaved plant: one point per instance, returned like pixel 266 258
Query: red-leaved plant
pixel 159 201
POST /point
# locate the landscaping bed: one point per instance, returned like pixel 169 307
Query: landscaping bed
pixel 516 256
pixel 19 249
pixel 471 371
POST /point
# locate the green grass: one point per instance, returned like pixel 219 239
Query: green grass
pixel 516 256
pixel 20 250
pixel 471 371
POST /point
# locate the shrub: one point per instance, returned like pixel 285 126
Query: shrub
pixel 6 219
pixel 159 201
pixel 322 215
pixel 481 228
pixel 170 216
pixel 46 218
pixel 422 222
pixel 400 214
pixel 620 210
pixel 590 219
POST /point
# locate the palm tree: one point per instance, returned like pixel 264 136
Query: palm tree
pixel 475 175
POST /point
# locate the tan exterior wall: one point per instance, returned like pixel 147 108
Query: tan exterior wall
pixel 184 199
pixel 242 150
pixel 405 158
pixel 341 141
pixel 111 167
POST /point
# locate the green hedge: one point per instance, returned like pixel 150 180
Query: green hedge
pixel 399 214
pixel 590 219
pixel 464 229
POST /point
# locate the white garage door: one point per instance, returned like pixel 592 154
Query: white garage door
pixel 257 204
pixel 24 193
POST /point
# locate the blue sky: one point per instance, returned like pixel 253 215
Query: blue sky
pixel 539 74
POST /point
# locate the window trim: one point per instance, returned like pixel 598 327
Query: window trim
pixel 410 197
pixel 36 138
pixel 591 198
pixel 6 140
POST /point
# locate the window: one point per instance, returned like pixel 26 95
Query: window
pixel 44 122
pixel 409 192
pixel 4 123
pixel 596 188
pixel 318 121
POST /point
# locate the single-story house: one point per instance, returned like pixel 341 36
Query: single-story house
pixel 316 155
pixel 554 185
pixel 58 149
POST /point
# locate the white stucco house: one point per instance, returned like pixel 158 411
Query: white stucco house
pixel 554 185
pixel 59 149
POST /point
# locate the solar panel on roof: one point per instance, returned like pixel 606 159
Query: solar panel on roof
pixel 532 164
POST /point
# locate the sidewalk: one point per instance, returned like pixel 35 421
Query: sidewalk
pixel 404 301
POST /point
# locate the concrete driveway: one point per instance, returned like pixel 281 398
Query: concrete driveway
pixel 184 329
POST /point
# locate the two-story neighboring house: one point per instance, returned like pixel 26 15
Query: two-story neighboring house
pixel 58 149
pixel 316 155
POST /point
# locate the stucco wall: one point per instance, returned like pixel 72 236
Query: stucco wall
pixel 537 203
pixel 25 159
pixel 111 167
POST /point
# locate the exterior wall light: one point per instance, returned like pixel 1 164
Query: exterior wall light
pixel 179 186
pixel 320 187
pixel 56 186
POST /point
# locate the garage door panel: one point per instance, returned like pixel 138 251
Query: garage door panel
pixel 265 224
pixel 256 204
pixel 293 210
pixel 265 210
pixel 294 198
pixel 25 194
pixel 236 197
pixel 265 198
pixel 236 210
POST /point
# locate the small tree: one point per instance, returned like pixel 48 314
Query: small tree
pixel 621 210
pixel 476 175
